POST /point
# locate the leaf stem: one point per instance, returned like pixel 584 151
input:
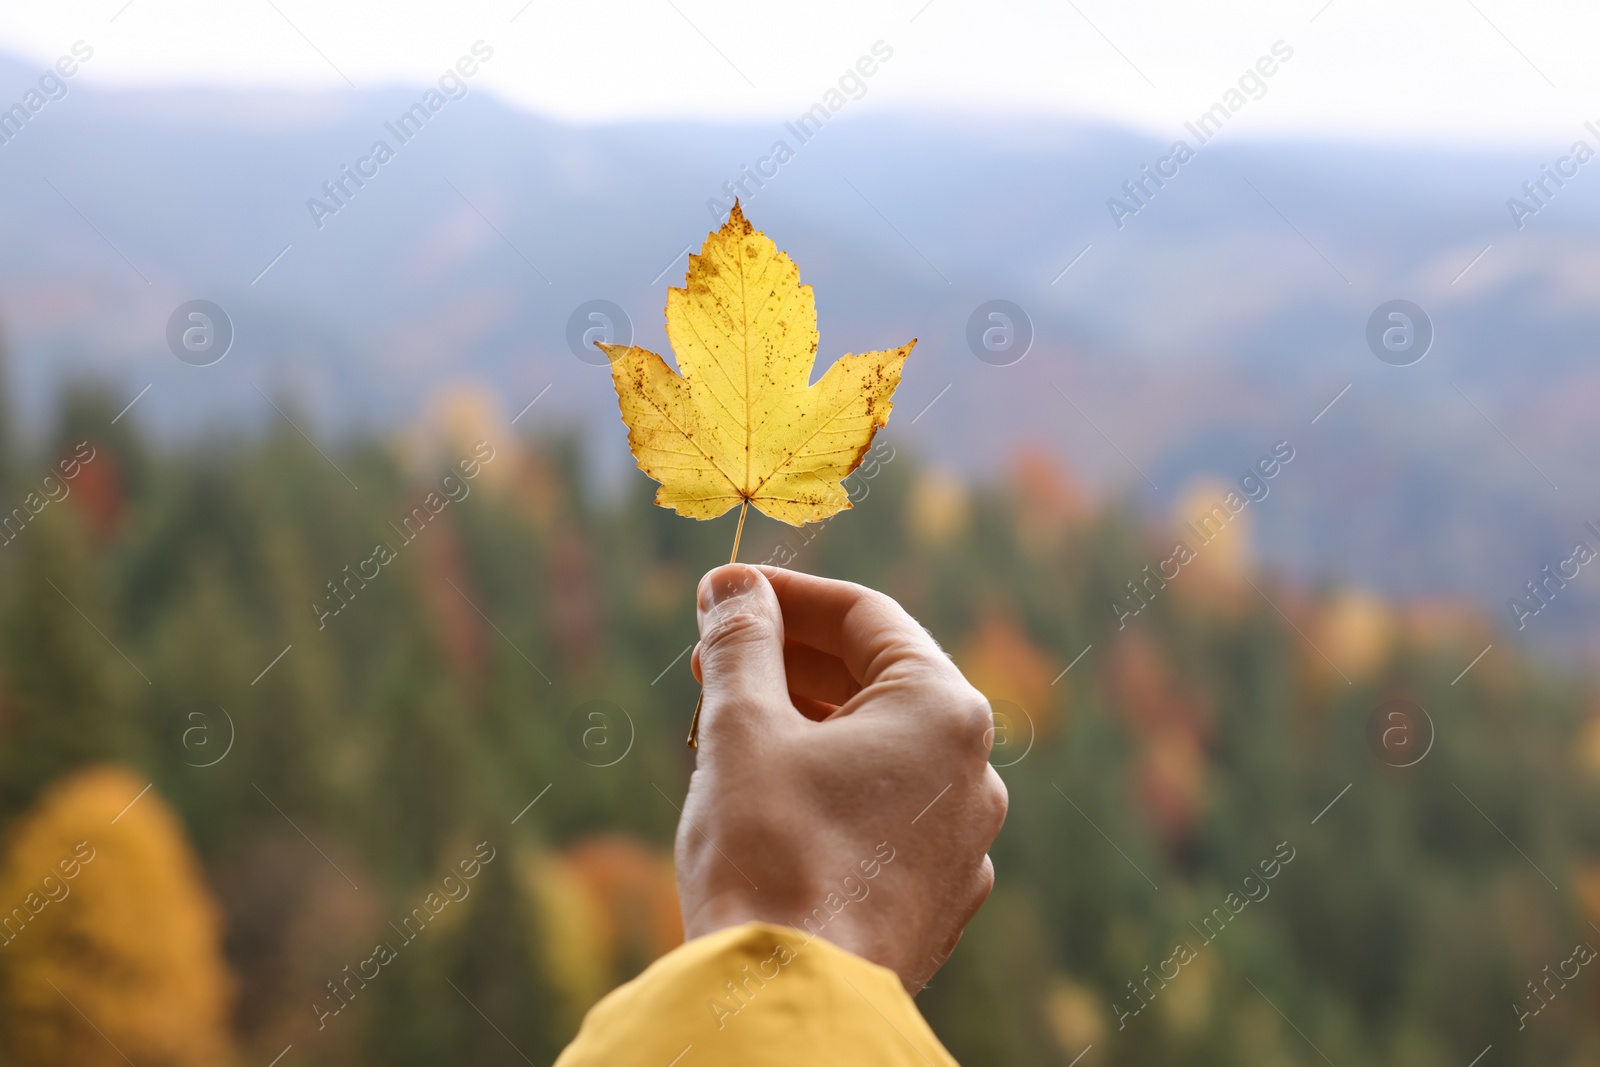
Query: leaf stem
pixel 733 557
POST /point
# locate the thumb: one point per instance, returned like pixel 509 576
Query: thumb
pixel 741 647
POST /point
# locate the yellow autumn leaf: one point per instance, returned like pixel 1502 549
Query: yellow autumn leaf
pixel 741 419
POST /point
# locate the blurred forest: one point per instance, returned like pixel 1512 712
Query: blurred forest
pixel 512 685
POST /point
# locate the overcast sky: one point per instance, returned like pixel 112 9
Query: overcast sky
pixel 1453 71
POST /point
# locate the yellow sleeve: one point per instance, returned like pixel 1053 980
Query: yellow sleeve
pixel 757 993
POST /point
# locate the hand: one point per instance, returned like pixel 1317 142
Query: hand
pixel 842 783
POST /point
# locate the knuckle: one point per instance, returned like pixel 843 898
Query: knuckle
pixel 736 626
pixel 867 594
pixel 982 883
pixel 969 716
pixel 999 798
pixel 880 606
pixel 884 608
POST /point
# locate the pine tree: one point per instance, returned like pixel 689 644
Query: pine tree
pixel 66 685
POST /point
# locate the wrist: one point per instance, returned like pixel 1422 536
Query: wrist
pixel 830 916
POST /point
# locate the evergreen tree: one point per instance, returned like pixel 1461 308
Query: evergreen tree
pixel 69 675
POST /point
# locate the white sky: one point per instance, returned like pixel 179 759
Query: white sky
pixel 1454 71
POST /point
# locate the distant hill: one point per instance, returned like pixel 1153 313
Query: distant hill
pixel 1222 317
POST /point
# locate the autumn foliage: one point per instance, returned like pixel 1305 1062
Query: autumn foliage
pixel 604 909
pixel 119 955
pixel 741 420
pixel 1231 713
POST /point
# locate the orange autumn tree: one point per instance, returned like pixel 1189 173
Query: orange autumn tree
pixel 604 908
pixel 110 943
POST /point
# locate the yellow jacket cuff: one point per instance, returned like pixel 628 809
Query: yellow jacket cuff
pixel 757 993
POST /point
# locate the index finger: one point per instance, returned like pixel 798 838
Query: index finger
pixel 866 629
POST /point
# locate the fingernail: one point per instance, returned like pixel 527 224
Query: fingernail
pixel 724 584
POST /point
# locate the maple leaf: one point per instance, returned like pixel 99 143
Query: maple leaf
pixel 742 422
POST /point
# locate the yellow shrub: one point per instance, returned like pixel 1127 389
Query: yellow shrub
pixel 110 943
